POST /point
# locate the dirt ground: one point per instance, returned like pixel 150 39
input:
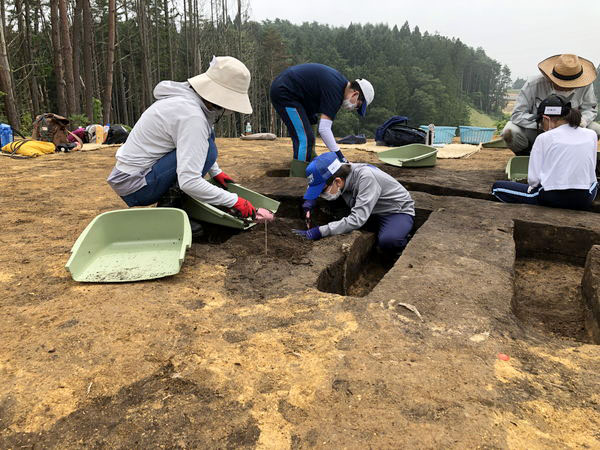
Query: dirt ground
pixel 242 349
pixel 556 304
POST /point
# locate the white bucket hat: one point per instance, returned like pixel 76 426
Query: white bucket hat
pixel 225 84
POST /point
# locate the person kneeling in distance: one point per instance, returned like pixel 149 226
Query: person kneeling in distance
pixel 375 198
pixel 562 165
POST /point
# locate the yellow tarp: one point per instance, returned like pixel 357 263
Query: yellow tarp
pixel 29 148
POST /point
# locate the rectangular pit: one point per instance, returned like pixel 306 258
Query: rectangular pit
pixel 361 267
pixel 548 273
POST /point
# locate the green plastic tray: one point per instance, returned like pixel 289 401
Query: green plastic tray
pixel 517 167
pixel 204 212
pixel 496 143
pixel 298 168
pixel 131 245
pixel 412 155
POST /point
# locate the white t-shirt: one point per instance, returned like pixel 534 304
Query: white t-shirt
pixel 563 158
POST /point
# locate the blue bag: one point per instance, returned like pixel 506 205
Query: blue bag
pixel 6 134
pixel 394 120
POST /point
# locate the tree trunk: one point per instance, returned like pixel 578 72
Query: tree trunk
pixel 186 39
pixel 22 10
pixel 87 60
pixel 168 27
pixel 146 84
pixel 6 82
pixel 76 41
pixel 67 57
pixel 124 117
pixel 110 60
pixel 157 30
pixel 58 60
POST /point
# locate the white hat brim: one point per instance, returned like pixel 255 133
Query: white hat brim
pixel 219 95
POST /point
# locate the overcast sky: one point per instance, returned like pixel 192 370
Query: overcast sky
pixel 519 33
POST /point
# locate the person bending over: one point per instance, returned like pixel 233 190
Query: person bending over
pixel 562 165
pixel 375 198
pixel 173 143
pixel 306 94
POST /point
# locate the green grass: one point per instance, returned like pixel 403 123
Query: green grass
pixel 479 119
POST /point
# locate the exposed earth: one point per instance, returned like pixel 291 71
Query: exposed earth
pixel 313 344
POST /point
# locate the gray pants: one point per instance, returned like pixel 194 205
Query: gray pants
pixel 520 140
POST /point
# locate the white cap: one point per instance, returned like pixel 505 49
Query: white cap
pixel 225 84
pixel 368 92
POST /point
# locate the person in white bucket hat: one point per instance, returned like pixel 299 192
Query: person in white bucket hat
pixel 309 93
pixel 568 75
pixel 172 145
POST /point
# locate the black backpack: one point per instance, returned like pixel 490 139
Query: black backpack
pixel 117 134
pixel 398 135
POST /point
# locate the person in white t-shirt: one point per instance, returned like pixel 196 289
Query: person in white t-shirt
pixel 567 75
pixel 562 165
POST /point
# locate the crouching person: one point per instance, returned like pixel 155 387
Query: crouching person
pixel 562 165
pixel 172 145
pixel 374 197
pixel 567 75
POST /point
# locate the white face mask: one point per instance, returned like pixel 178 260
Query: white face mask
pixel 348 105
pixel 329 196
pixel 566 94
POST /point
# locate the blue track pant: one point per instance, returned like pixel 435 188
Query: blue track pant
pixel 392 230
pixel 513 192
pixel 299 127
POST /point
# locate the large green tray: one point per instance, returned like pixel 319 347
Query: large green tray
pixel 517 168
pixel 412 155
pixel 496 143
pixel 131 245
pixel 298 168
pixel 204 212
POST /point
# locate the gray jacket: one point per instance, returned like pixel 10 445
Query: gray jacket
pixel 369 190
pixel 180 120
pixel 538 88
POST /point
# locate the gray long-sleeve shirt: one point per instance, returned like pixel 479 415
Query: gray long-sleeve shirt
pixel 369 190
pixel 538 88
pixel 177 120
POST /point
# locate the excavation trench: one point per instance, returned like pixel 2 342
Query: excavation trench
pixel 548 271
pixel 361 266
pixel 255 271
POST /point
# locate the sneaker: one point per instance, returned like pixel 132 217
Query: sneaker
pixel 197 229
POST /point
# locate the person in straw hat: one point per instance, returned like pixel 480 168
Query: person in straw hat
pixel 562 165
pixel 172 145
pixel 567 75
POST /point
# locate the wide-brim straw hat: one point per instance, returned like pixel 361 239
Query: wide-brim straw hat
pixel 225 84
pixel 568 71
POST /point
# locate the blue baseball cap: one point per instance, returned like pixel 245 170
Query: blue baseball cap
pixel 318 172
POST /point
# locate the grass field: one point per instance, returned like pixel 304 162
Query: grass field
pixel 479 119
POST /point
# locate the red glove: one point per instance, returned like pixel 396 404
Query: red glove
pixel 223 179
pixel 245 208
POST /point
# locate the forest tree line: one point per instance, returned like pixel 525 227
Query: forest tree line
pixel 97 61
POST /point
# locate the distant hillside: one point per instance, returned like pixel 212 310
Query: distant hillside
pixel 480 119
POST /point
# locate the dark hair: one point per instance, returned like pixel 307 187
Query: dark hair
pixel 573 118
pixel 354 85
pixel 342 173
